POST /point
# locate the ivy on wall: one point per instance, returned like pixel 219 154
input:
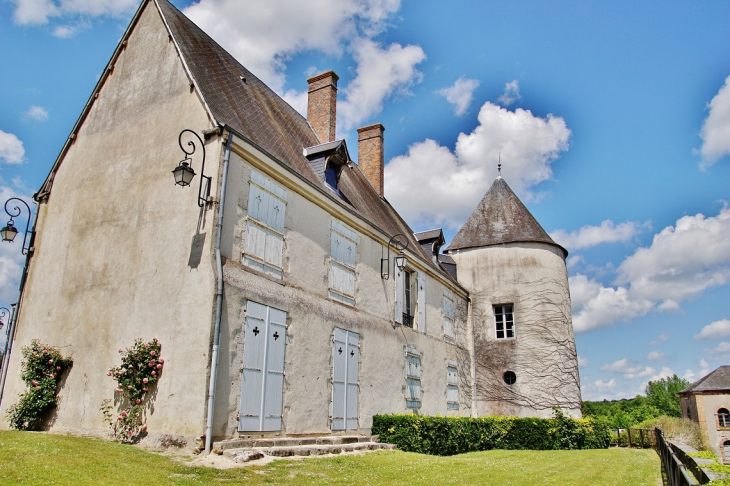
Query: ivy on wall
pixel 42 369
pixel 140 369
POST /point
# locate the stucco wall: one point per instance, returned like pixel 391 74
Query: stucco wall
pixel 302 292
pixel 712 402
pixel 113 244
pixel 532 277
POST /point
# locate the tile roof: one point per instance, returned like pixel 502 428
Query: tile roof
pixel 500 218
pixel 716 380
pixel 257 113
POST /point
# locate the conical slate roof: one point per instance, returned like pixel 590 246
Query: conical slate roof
pixel 500 218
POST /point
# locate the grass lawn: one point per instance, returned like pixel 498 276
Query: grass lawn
pixel 37 458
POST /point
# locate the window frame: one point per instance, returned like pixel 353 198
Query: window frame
pixel 452 385
pixel 413 378
pixel 723 418
pixel 504 324
pixel 449 317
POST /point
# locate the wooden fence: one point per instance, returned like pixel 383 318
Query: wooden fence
pixel 640 438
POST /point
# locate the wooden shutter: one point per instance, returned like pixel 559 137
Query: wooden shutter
pixel 345 388
pixel 421 301
pixel 274 385
pixel 448 316
pixel 353 358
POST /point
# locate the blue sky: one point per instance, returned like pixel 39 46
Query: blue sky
pixel 612 118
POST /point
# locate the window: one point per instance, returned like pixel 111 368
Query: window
pixel 330 177
pixel 723 417
pixel 448 316
pixel 504 321
pixel 509 377
pixel 411 298
pixel 264 233
pixel 413 378
pixel 343 250
pixel 452 386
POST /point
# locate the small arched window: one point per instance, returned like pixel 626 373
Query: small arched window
pixel 723 417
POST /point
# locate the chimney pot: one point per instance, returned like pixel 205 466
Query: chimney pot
pixel 322 105
pixel 370 154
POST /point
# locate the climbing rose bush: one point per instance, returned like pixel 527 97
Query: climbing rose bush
pixel 141 368
pixel 41 370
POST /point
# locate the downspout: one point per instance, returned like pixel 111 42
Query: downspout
pixel 474 410
pixel 6 351
pixel 16 306
pixel 218 304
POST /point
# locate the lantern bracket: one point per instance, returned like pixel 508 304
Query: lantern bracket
pixel 13 210
pixel 385 261
pixel 186 163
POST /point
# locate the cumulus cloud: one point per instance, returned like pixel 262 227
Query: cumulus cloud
pixel 381 72
pixel 715 130
pixel 36 113
pixel 716 330
pixel 628 369
pixel 582 362
pixel 511 93
pixel 11 149
pixel 655 356
pixel 721 348
pixel 691 376
pixel 460 94
pixel 589 236
pixel 38 12
pixel 433 186
pixel 659 277
pixel 605 385
pixel 663 337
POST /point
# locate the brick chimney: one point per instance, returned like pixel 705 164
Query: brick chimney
pixel 370 154
pixel 322 105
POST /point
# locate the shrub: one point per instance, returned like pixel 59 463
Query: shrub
pixel 445 436
pixel 678 430
pixel 41 370
pixel 140 369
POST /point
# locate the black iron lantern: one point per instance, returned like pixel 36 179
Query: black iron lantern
pixel 400 259
pixel 183 173
pixel 9 232
pixel 4 312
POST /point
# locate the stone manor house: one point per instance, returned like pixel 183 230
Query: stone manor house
pixel 288 294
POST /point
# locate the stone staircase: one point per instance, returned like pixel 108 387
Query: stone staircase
pixel 249 449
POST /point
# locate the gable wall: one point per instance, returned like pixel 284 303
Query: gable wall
pixel 114 240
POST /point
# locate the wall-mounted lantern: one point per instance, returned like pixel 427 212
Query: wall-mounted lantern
pixel 184 172
pixel 400 259
pixel 4 312
pixel 9 231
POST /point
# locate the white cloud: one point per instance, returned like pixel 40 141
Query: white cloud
pixel 715 130
pixel 11 256
pixel 682 262
pixel 460 94
pixel 38 12
pixel 605 385
pixel 663 337
pixel 11 149
pixel 381 72
pixel 37 113
pixel 691 376
pixel 595 306
pixel 629 370
pixel 589 236
pixel 573 261
pixel 716 330
pixel 511 93
pixel 721 348
pixel 432 186
pixel 655 355
pixel 582 362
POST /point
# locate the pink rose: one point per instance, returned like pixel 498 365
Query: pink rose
pixel 159 367
pixel 50 361
pixel 124 414
pixel 145 380
pixel 45 351
pixel 154 373
pixel 120 350
pixel 161 360
pixel 36 355
pixel 108 373
pixel 129 433
pixel 152 361
pixel 144 389
pixel 54 375
pixel 129 387
pixel 152 353
pixel 119 418
pixel 137 401
pixel 118 390
pixel 150 364
pixel 58 368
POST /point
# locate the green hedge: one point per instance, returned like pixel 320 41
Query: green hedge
pixel 445 436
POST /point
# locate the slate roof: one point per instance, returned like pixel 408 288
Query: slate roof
pixel 430 234
pixel 715 381
pixel 257 113
pixel 500 218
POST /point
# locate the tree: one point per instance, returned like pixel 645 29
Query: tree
pixel 663 394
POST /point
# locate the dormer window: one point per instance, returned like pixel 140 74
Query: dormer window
pixel 331 175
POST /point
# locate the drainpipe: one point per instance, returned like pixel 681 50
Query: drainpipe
pixel 474 410
pixel 218 304
pixel 6 352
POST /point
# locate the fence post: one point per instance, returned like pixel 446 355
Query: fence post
pixel 629 432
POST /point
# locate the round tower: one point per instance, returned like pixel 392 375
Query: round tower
pixel 525 360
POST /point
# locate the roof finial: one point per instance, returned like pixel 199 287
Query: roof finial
pixel 499 167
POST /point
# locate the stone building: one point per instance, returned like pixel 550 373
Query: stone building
pixel 278 298
pixel 707 403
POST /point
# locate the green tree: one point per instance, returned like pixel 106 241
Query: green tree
pixel 663 394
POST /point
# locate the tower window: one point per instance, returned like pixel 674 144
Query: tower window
pixel 509 377
pixel 723 417
pixel 504 320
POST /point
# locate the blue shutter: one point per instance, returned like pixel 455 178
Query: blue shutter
pixel 345 388
pixel 353 358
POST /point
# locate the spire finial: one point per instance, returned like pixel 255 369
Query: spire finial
pixel 499 166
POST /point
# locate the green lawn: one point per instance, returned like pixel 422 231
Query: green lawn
pixel 36 458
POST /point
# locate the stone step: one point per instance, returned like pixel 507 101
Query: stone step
pixel 257 443
pixel 247 454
